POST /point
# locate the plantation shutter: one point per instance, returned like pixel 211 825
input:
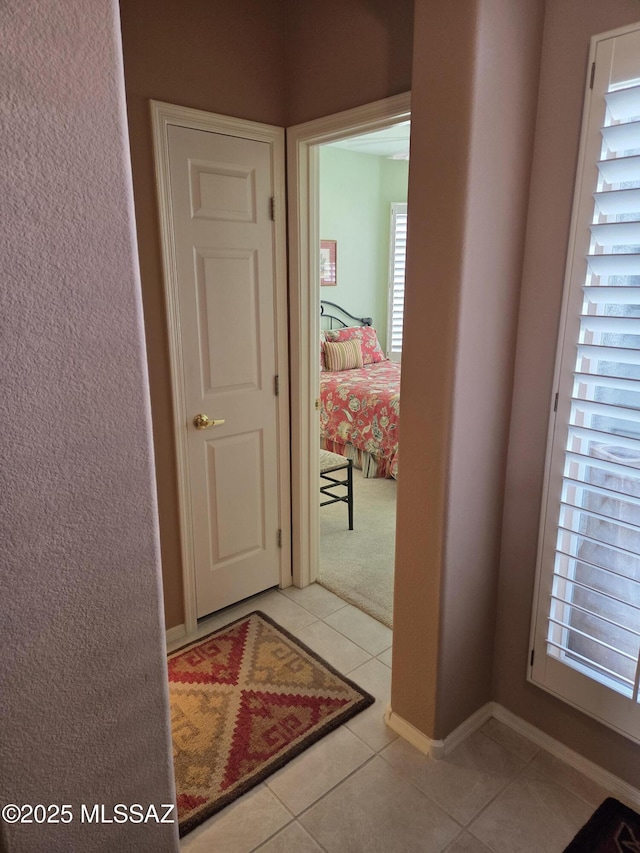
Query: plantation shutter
pixel 397 257
pixel 586 630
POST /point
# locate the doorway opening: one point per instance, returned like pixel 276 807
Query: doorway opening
pixel 362 184
pixel 307 149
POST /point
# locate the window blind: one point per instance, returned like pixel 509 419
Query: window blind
pixel 586 632
pixel 397 259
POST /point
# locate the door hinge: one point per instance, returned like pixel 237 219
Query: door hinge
pixel 279 538
pixel 555 402
pixel 533 652
pixel 273 208
pixel 317 404
pixel 276 385
pixel 593 74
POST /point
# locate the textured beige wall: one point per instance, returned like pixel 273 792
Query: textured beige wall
pixel 225 57
pixel 569 25
pixel 83 673
pixel 474 65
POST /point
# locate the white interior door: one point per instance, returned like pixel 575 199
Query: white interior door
pixel 221 188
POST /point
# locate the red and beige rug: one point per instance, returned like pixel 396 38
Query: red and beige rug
pixel 612 828
pixel 245 700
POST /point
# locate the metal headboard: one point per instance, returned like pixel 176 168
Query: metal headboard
pixel 363 321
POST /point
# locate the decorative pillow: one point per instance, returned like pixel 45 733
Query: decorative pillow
pixel 322 340
pixel 367 335
pixel 343 355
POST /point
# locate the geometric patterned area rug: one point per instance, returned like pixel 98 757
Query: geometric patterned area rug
pixel 613 828
pixel 245 700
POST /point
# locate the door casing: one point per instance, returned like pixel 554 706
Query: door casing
pixel 304 309
pixel 163 116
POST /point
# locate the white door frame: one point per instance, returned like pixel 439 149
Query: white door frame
pixel 162 116
pixel 304 305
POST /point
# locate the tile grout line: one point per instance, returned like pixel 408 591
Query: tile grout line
pixel 512 751
pixel 494 798
pixel 338 631
pixel 368 760
pixel 454 840
pixel 358 644
pixel 420 791
pixel 548 776
pixel 341 607
pixel 317 615
pixel 526 764
pixel 465 826
pixel 564 787
pixel 375 753
pixel 346 672
pixel 282 829
pixel 333 788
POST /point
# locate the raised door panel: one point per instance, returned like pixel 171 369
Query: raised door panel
pixel 221 188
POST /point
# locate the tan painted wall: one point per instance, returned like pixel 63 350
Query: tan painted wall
pixel 505 95
pixel 345 54
pixel 474 64
pixel 252 59
pixel 225 57
pixel 431 306
pixel 569 25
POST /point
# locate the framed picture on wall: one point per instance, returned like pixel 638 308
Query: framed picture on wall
pixel 328 267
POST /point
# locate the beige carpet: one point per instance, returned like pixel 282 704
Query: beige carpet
pixel 358 564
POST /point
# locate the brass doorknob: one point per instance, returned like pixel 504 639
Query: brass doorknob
pixel 204 422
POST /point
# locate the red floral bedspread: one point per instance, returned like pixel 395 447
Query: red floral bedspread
pixel 361 407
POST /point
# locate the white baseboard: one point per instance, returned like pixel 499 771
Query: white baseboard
pixel 176 633
pixel 616 786
pixel 470 725
pixel 433 748
pixel 437 749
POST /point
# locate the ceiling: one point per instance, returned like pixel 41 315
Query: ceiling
pixel 390 142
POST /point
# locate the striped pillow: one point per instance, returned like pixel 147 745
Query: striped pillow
pixel 367 335
pixel 343 355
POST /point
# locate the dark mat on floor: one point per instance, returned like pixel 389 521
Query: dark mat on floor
pixel 613 828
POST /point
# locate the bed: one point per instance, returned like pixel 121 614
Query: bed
pixel 359 396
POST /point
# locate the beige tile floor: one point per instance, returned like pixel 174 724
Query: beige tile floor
pixel 362 788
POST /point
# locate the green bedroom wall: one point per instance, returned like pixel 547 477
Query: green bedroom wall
pixel 356 191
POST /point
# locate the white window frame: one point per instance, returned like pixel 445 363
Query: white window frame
pixel 398 209
pixel 568 683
